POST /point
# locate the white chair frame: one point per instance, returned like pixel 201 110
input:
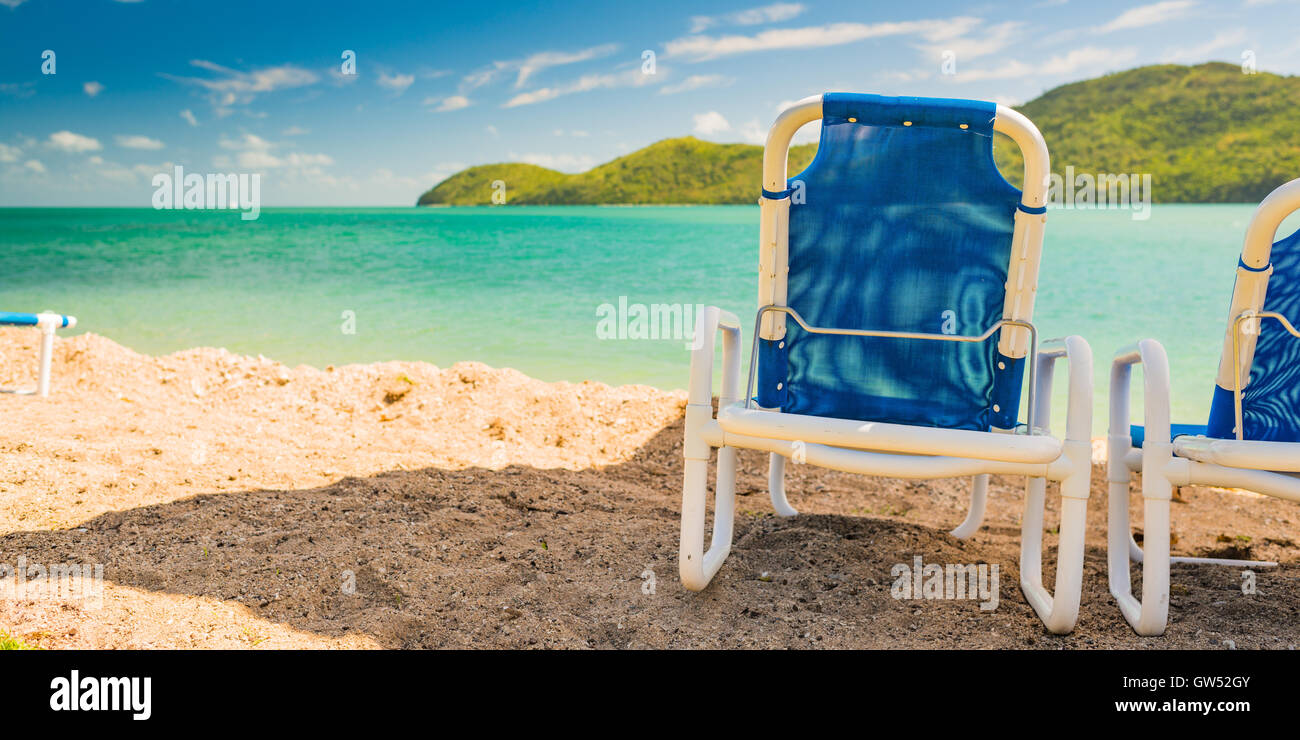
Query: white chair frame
pixel 1268 468
pixel 47 324
pixel 895 450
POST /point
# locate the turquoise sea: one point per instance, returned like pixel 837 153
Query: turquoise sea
pixel 521 287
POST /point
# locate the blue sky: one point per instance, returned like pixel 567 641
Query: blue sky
pixel 258 86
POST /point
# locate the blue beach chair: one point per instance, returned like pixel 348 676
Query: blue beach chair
pixel 48 323
pixel 1252 438
pixel 897 276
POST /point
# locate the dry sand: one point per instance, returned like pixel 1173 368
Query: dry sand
pixel 235 502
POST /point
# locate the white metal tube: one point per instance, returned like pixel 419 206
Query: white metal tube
pixel 1150 615
pixel 1252 454
pixel 979 492
pixel 1277 485
pixel 777 149
pixel 695 566
pixel 47 353
pixel 776 485
pixel 774 214
pixel 918 467
pixel 1252 283
pixel 1027 239
pixel 881 436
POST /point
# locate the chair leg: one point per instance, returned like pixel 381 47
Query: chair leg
pixel 1060 609
pixel 975 517
pixel 1150 615
pixel 696 566
pixel 776 485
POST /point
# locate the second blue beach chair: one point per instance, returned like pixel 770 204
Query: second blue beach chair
pixel 1252 438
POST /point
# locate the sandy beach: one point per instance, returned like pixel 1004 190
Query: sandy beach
pixel 239 503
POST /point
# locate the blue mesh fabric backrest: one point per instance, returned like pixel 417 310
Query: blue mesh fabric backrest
pixel 902 228
pixel 1270 404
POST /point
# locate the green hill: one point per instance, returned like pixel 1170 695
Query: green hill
pixel 1206 133
pixel 684 170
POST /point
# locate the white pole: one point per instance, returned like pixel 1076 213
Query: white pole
pixel 47 350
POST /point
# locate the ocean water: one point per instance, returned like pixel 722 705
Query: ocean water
pixel 523 287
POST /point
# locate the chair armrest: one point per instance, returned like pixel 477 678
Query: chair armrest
pixel 1157 447
pixel 1077 353
pixel 710 320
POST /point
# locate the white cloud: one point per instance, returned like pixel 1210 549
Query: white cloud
pixel 752 132
pixel 308 160
pixel 66 141
pixel 708 124
pixel 527 67
pixel 1089 57
pixel 138 142
pixel 711 47
pixel 258 160
pixel 295 131
pixel 236 87
pixel 245 142
pixel 449 103
pixel 629 78
pixel 774 13
pixel 544 60
pixel 714 123
pixel 695 82
pixel 35 166
pixel 11 4
pixel 1147 15
pixel 396 82
pixel 9 153
pixel 977 42
pixel 92 88
pixel 255 153
pixel 561 162
pixel 188 115
pixel 1223 40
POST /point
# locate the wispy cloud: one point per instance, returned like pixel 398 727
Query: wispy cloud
pixel 1231 39
pixel 1147 15
pixel 135 141
pixel 561 162
pixel 67 141
pixel 695 82
pixel 92 88
pixel 252 152
pixel 9 153
pixel 713 124
pixel 17 89
pixel 449 103
pixel 188 115
pixel 233 87
pixel 710 123
pixel 774 13
pixel 1088 57
pixel 524 69
pixel 395 82
pixel 628 78
pixel 547 59
pixel 977 42
pixel 699 47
